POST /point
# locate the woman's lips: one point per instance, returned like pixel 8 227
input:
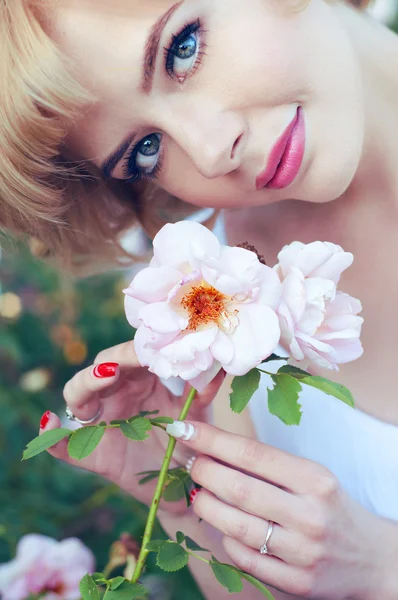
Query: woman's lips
pixel 286 156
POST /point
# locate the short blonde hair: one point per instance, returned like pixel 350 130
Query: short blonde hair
pixel 68 211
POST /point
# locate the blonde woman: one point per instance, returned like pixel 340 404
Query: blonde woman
pixel 99 102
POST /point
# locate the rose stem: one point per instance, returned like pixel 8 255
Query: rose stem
pixel 159 491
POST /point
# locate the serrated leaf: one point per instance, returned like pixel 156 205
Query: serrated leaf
pixel 283 399
pixel 273 357
pixel 137 429
pixel 293 371
pixel 146 413
pixel 88 588
pixel 155 545
pixel 180 537
pixel 84 441
pixel 172 557
pixel 126 591
pixel 103 424
pixel 227 576
pixel 331 388
pixel 118 421
pixel 257 584
pixel 116 582
pixel 162 421
pixel 192 545
pixel 174 492
pixel 44 441
pixel 243 388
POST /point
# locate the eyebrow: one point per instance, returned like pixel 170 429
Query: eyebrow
pixel 149 64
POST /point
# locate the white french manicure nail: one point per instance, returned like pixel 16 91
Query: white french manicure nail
pixel 181 430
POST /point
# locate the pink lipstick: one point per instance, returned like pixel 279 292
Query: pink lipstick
pixel 286 156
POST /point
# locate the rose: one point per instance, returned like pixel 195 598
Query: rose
pixel 44 565
pixel 319 325
pixel 201 306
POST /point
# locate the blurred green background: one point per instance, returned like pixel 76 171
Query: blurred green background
pixel 51 327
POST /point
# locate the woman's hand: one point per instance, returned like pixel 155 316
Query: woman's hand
pixel 127 390
pixel 323 545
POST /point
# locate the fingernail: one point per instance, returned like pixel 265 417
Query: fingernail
pixel 105 370
pixel 193 495
pixel 189 465
pixel 45 419
pixel 181 430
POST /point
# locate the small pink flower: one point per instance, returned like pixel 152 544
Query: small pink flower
pixel 44 566
pixel 201 306
pixel 319 325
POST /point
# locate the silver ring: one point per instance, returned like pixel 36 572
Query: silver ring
pixel 189 465
pixel 264 547
pixel 72 417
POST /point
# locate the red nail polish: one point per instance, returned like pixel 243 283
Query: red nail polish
pixel 193 494
pixel 105 370
pixel 45 419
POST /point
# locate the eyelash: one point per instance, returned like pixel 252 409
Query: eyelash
pixel 136 174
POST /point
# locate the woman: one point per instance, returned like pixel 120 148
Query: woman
pixel 196 95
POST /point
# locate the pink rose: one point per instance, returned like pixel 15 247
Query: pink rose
pixel 201 306
pixel 319 325
pixel 44 565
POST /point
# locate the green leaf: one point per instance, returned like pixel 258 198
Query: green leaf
pixel 84 441
pixel 227 576
pixel 293 371
pixel 118 421
pixel 88 588
pixel 283 399
pixel 331 388
pixel 44 441
pixel 148 478
pixel 137 429
pixel 172 557
pixel 162 421
pixel 191 545
pixel 146 413
pixel 180 537
pixel 116 582
pixel 243 389
pixel 126 591
pixel 257 584
pixel 273 357
pixel 155 545
pixel 174 492
pixel 99 578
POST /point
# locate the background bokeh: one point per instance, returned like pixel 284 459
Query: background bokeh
pixel 50 327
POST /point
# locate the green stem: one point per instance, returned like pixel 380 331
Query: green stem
pixel 159 491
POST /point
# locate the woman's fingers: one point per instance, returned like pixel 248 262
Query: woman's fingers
pixel 250 530
pixel 247 493
pixel 82 393
pixel 269 569
pixel 271 464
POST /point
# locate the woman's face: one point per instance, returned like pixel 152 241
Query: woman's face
pixel 197 94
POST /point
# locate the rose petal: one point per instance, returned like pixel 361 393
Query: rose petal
pixel 132 308
pixel 184 242
pixel 184 348
pixel 153 285
pixel 200 382
pixel 254 339
pixel 235 271
pixel 161 317
pixel 222 348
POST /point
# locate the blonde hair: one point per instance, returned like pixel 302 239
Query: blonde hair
pixel 65 209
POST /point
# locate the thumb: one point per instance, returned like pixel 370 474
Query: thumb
pixel 204 398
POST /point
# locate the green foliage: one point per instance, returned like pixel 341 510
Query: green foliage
pixel 243 389
pixel 44 441
pixel 125 591
pixel 283 399
pixel 171 557
pixel 62 327
pixel 136 429
pixel 227 576
pixel 84 441
pixel 88 588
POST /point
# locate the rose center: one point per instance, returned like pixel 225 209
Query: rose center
pixel 204 305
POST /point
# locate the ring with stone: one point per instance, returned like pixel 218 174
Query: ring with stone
pixel 73 417
pixel 264 547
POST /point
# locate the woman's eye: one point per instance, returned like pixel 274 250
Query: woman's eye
pixel 143 161
pixel 184 53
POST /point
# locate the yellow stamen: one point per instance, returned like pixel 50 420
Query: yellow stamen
pixel 204 305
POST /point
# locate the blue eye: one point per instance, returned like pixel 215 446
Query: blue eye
pixel 143 161
pixel 184 54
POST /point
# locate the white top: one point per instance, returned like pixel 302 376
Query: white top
pixel 360 450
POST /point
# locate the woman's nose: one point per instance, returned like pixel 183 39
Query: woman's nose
pixel 214 142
